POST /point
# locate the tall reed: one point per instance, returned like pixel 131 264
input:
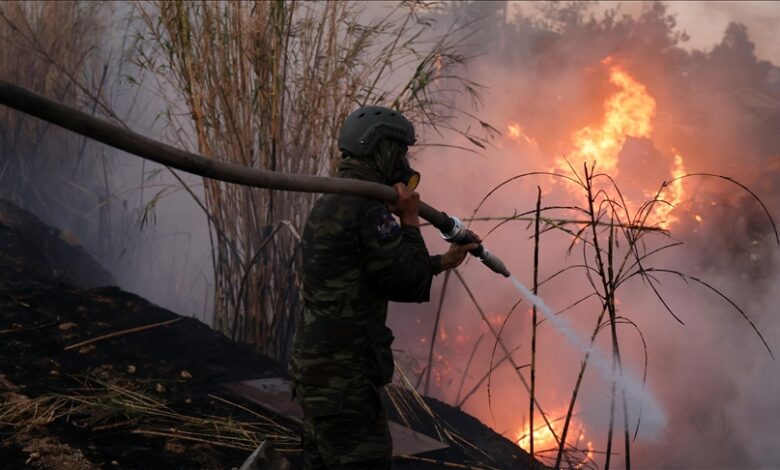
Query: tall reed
pixel 617 247
pixel 267 84
pixel 48 47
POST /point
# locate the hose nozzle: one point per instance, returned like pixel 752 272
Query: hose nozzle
pixel 493 262
pixel 457 233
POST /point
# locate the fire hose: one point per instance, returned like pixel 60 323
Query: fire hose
pixel 115 136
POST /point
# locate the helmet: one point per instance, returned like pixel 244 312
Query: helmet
pixel 363 129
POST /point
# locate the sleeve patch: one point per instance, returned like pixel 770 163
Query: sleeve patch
pixel 386 227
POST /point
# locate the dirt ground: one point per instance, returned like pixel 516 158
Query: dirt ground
pixel 51 298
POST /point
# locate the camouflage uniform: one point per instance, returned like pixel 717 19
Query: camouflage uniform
pixel 356 259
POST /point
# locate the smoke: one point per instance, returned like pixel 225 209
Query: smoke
pixel 134 217
pixel 715 384
pixel 706 21
pixel 718 106
pixel 717 97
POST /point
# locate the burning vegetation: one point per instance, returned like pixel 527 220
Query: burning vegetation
pixel 635 142
pixel 616 106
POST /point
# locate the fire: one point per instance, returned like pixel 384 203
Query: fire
pixel 673 195
pixel 461 337
pixel 496 320
pixel 628 112
pixel 443 334
pixel 544 439
pixel 513 130
pixel 516 132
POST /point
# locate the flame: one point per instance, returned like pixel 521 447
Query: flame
pixel 544 439
pixel 628 112
pixel 513 129
pixel 461 337
pixel 672 194
pixel 516 133
pixel 496 320
pixel 443 336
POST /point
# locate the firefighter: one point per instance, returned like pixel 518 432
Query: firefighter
pixel 356 258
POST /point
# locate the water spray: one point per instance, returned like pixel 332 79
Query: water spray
pixel 124 139
pixel 635 392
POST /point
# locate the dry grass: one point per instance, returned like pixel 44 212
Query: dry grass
pixel 100 405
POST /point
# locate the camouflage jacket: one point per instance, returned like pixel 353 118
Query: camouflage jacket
pixel 356 258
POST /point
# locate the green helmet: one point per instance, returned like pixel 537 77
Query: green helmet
pixel 366 126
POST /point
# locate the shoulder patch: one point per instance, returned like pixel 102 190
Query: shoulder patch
pixel 385 226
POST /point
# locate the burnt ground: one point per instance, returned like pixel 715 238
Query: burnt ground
pixel 53 295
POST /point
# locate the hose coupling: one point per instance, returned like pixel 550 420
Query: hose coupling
pixel 457 234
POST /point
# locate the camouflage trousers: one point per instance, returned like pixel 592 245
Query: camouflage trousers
pixel 344 429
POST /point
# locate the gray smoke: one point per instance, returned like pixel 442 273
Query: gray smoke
pixel 718 105
pixel 718 97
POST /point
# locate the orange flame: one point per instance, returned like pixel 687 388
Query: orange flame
pixel 629 112
pixel 516 133
pixel 671 194
pixel 544 439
